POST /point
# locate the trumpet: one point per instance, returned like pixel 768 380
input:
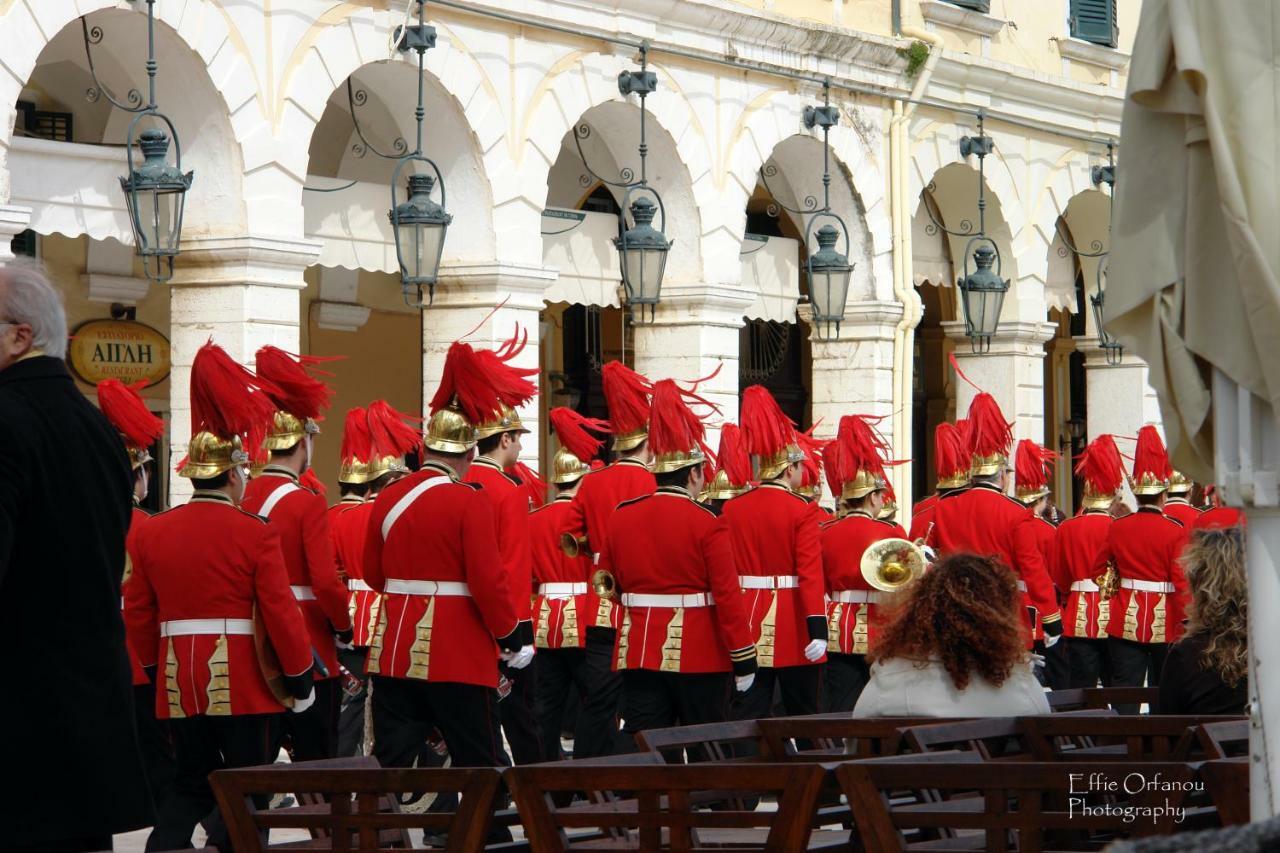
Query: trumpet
pixel 1108 582
pixel 891 564
pixel 603 584
pixel 573 546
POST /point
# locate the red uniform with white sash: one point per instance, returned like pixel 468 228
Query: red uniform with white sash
pixel 199 572
pixel 349 530
pixel 1043 534
pixel 1077 546
pixel 852 603
pixel 1145 546
pixel 430 550
pixel 300 516
pixel 779 558
pixel 561 608
pixel 511 504
pixel 138 518
pixel 682 608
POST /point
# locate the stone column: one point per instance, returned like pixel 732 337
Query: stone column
pixel 486 303
pixel 853 374
pixel 244 292
pixel 1118 397
pixel 13 221
pixel 1012 372
pixel 696 329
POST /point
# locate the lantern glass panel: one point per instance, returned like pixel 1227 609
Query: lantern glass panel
pixel 829 290
pixel 420 245
pixel 643 269
pixel 156 218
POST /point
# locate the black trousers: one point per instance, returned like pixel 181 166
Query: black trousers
pixel 588 675
pixel 405 711
pixel 801 688
pixel 351 705
pixel 1090 662
pixel 155 743
pixel 846 676
pixel 1056 673
pixel 659 700
pixel 313 734
pixel 516 712
pixel 202 745
pixel 1134 664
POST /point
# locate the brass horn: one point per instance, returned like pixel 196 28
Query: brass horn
pixel 603 584
pixel 1108 582
pixel 573 546
pixel 891 564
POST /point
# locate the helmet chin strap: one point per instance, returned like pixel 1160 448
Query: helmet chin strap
pixel 146 484
pixel 306 454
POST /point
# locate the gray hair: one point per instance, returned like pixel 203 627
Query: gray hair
pixel 27 296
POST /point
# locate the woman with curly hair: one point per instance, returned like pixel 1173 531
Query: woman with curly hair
pixel 954 647
pixel 1206 672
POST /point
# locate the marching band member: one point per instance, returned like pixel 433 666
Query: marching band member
pixel 810 487
pixel 191 611
pixel 774 533
pixel 497 450
pixel 1143 550
pixel 1031 488
pixel 1177 504
pixel 1078 543
pixel 984 520
pixel 301 520
pixel 139 429
pixel 684 631
pixel 855 473
pixel 447 612
pixel 733 470
pixel 562 610
pixel 951 465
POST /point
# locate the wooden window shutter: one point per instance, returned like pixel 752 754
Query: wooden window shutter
pixel 1095 21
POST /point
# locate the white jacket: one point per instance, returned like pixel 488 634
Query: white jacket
pixel 908 688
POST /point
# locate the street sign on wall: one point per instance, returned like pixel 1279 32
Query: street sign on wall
pixel 118 349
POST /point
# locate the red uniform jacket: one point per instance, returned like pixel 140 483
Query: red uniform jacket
pixel 1077 546
pixel 138 518
pixel 331 516
pixel 560 617
pixel 307 545
pixel 666 544
pixel 983 520
pixel 1144 547
pixel 209 561
pixel 349 530
pixel 851 625
pixel 775 534
pixel 598 496
pixel 1179 509
pixel 444 535
pixel 511 502
pixel 1044 534
pixel 922 518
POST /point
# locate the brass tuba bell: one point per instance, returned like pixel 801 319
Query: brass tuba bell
pixel 603 584
pixel 573 546
pixel 891 564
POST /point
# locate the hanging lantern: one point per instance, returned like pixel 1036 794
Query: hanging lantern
pixel 642 252
pixel 829 273
pixel 155 194
pixel 419 226
pixel 982 294
pixel 1111 348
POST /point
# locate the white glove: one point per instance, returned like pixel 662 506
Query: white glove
pixel 344 646
pixel 815 650
pixel 743 682
pixel 1050 640
pixel 520 659
pixel 1036 660
pixel 300 705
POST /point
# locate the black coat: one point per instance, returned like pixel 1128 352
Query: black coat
pixel 68 741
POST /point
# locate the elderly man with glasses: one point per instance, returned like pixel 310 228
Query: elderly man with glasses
pixel 65 503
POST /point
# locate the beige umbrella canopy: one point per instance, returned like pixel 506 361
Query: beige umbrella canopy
pixel 1192 283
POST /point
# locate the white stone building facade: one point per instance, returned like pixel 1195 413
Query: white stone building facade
pixel 286 239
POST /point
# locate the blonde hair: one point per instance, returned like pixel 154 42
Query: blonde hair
pixel 1214 563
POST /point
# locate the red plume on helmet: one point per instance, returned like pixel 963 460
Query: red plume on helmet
pixel 466 383
pixel 532 483
pixel 1150 459
pixel 864 448
pixel 627 394
pixel 813 451
pixel 357 443
pixel 989 433
pixel 1030 467
pixel 227 399
pixel 301 394
pixel 511 384
pixel 835 465
pixel 1100 465
pixel 673 426
pixel 124 407
pixel 388 432
pixel 732 457
pixel 766 429
pixel 950 453
pixel 310 480
pixel 572 428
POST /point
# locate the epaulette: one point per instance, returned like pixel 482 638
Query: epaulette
pixel 630 501
pixel 830 522
pixel 515 481
pixel 886 522
pixel 166 511
pixel 951 493
pixel 1174 520
pixel 253 515
pixel 476 486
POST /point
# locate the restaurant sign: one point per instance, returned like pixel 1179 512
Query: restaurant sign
pixel 118 349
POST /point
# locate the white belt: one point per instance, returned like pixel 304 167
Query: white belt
pixel 855 596
pixel 692 599
pixel 404 587
pixel 303 593
pixel 1022 586
pixel 193 627
pixel 357 585
pixel 1084 586
pixel 562 589
pixel 1146 586
pixel 768 581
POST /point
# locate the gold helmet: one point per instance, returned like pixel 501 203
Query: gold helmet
pixel 567 468
pixel 627 394
pixel 770 435
pixel 1031 475
pixel 287 430
pixel 227 402
pixel 577 446
pixel 478 394
pixel 1151 468
pixel 889 510
pixel 449 431
pixel 208 456
pixel 357 448
pixel 1102 470
pixel 509 421
pixel 721 489
pixel 675 432
pixel 1179 484
pixel 990 436
pixel 299 396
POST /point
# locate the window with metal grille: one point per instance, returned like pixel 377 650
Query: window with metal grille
pixel 975 5
pixel 43 124
pixel 1095 21
pixel 23 244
